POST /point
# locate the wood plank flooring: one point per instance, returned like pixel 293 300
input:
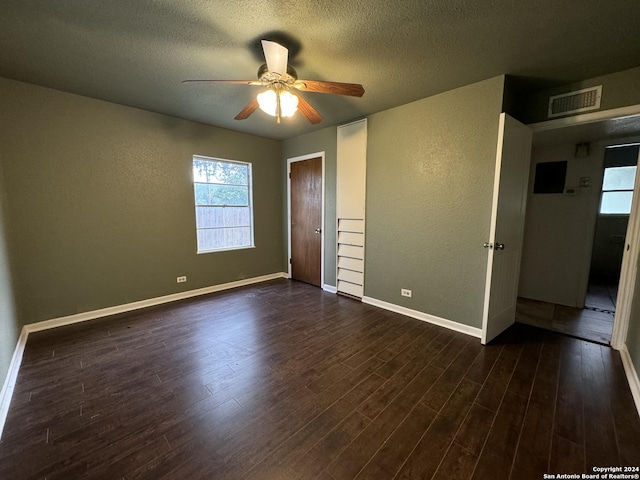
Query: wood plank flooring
pixel 602 293
pixel 589 324
pixel 284 381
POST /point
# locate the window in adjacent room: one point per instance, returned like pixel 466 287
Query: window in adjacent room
pixel 224 210
pixel 617 190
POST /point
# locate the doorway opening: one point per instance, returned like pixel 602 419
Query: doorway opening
pixel 574 288
pixel 620 165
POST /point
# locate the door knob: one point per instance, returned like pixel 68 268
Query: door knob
pixel 318 230
pixel 499 246
pixel 487 245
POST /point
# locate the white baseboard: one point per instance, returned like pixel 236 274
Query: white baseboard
pixel 330 288
pixel 632 375
pixel 16 360
pixel 12 377
pixel 105 312
pixel 425 317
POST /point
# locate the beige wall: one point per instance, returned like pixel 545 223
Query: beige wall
pixel 430 171
pixel 100 202
pixel 9 328
pixel 559 229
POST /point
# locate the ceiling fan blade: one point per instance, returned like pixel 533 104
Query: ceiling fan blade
pixel 276 56
pixel 335 88
pixel 248 110
pixel 237 82
pixel 307 110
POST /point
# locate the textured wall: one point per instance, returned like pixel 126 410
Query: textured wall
pixel 100 202
pixel 320 141
pixel 9 329
pixel 619 89
pixel 430 171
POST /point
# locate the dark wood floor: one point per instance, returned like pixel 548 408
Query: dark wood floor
pixel 593 323
pixel 602 293
pixel 584 323
pixel 284 381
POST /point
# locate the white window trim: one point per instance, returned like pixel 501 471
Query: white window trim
pixel 603 191
pixel 250 192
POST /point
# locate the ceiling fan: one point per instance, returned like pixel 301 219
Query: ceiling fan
pixel 281 97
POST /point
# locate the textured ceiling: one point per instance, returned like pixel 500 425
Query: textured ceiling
pixel 136 52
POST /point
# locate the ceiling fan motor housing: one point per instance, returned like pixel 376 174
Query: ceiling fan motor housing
pixel 265 75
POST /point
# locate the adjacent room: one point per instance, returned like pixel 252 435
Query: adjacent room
pixel 294 240
pixel 574 241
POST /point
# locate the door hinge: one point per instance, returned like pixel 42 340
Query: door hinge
pixel 290 262
pixel 289 174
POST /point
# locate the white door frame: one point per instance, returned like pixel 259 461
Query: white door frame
pixel 289 162
pixel 628 272
pixel 632 243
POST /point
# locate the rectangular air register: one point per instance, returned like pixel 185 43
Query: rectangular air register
pixel 575 102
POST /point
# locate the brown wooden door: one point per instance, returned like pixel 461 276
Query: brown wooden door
pixel 306 220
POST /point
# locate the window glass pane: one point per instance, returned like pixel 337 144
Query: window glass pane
pixel 207 171
pixel 616 202
pixel 213 194
pixel 216 217
pixel 224 214
pixel 619 178
pixel 202 170
pixel 212 239
pixel 201 193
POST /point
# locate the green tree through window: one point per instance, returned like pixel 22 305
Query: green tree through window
pixel 224 216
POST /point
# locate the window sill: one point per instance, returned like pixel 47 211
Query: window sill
pixel 228 249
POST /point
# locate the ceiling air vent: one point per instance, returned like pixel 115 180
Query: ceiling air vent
pixel 574 102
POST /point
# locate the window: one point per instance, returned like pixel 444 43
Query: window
pixel 617 190
pixel 224 210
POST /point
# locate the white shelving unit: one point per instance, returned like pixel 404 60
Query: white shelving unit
pixel 351 256
pixel 350 193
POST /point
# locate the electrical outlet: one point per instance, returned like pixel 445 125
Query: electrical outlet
pixel 181 279
pixel 405 292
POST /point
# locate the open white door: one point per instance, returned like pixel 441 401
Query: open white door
pixel 507 226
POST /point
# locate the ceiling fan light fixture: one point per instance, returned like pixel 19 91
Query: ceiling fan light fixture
pixel 279 79
pixel 268 101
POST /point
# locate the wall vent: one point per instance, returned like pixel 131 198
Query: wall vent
pixel 575 102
